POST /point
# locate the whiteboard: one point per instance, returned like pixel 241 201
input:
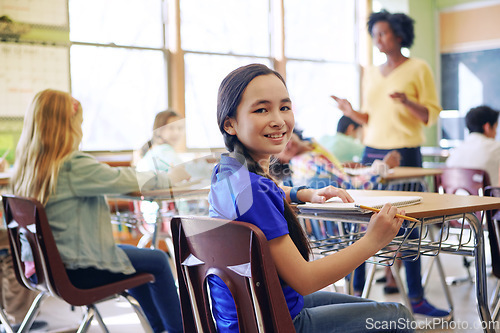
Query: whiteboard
pixel 27 69
pixel 43 12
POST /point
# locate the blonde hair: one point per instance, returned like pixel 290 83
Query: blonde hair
pixel 52 130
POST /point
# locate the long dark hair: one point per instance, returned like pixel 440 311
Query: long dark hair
pixel 230 94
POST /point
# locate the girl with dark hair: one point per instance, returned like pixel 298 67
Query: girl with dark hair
pixel 256 120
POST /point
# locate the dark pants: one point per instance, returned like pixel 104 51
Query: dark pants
pixel 158 299
pixel 410 157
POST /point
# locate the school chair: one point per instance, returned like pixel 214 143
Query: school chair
pixel 462 181
pixel 238 253
pixel 493 223
pixel 29 230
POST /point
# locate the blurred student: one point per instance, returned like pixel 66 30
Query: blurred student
pixel 305 162
pixel 345 144
pixel 159 153
pixel 72 185
pixel 479 150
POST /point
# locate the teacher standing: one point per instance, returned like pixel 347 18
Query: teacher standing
pixel 398 97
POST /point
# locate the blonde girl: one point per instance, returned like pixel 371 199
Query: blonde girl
pixel 71 185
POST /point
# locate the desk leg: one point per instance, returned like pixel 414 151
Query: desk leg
pixel 481 287
pixel 157 228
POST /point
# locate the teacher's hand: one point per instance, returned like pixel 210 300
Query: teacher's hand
pixel 344 105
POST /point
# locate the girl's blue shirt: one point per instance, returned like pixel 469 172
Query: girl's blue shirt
pixel 240 195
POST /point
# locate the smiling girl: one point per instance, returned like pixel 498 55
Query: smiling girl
pixel 254 114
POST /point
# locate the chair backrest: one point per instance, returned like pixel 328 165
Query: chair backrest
pixel 493 223
pixel 26 221
pixel 454 180
pixel 238 253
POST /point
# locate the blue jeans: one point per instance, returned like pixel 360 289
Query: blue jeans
pixel 410 157
pixel 158 299
pixel 332 312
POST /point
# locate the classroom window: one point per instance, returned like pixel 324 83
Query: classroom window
pixel 118 70
pixel 204 73
pixel 119 62
pixel 321 47
pixel 226 26
pixel 216 42
pixel 120 90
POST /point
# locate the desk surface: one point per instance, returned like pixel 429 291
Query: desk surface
pixel 5 178
pixel 178 192
pixel 411 172
pixel 435 204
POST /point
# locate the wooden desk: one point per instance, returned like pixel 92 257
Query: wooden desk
pixel 410 172
pixel 440 208
pixel 4 178
pixel 409 175
pixel 119 159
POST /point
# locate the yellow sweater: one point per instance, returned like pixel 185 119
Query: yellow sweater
pixel 391 125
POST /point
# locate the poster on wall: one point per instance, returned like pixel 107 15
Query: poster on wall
pixel 27 69
pixel 42 12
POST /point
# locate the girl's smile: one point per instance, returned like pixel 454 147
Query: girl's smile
pixel 264 119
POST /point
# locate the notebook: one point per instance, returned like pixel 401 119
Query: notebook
pixel 336 204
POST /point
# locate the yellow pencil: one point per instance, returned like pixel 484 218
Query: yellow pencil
pixel 398 215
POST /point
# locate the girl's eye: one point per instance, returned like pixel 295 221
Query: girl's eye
pixel 285 108
pixel 260 110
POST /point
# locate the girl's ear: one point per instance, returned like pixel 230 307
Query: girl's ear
pixel 229 126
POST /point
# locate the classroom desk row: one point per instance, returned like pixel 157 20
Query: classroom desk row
pixel 434 209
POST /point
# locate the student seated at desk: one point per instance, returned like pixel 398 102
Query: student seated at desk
pixel 479 150
pixel 71 185
pixel 256 120
pixel 159 154
pixel 345 144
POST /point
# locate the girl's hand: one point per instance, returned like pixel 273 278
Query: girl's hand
pixel 325 193
pixel 344 105
pixel 384 226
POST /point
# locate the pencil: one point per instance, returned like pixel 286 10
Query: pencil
pixel 397 215
pixel 5 154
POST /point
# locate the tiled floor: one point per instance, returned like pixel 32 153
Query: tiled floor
pixel 120 318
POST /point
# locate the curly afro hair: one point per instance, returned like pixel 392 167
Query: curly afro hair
pixel 401 24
